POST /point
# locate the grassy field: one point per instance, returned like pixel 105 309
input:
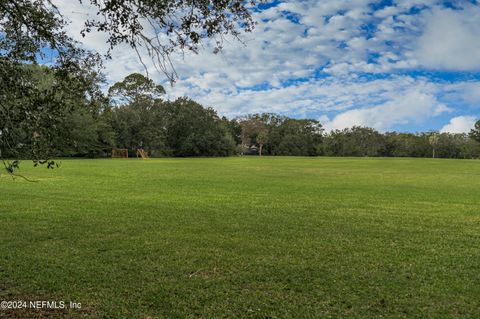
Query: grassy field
pixel 244 238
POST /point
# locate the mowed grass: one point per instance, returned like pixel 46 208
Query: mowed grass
pixel 245 237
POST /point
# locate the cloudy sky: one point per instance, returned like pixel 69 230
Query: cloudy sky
pixel 406 65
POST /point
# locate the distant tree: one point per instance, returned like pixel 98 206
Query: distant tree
pixel 81 133
pixel 273 123
pixel 138 121
pixel 469 149
pixel 299 137
pixel 370 141
pixel 192 130
pixel 355 141
pixel 252 126
pixel 140 125
pixel 134 88
pixel 262 139
pixel 449 145
pixel 475 132
pixel 234 128
pixel 406 145
pixel 433 140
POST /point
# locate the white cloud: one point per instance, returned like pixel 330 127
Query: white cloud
pixel 459 124
pixel 464 93
pixel 405 107
pixel 330 36
pixel 451 39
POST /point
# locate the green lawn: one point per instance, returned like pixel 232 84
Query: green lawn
pixel 246 237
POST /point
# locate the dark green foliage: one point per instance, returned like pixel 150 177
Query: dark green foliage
pixel 34 102
pixel 355 141
pixel 475 132
pixel 456 146
pixel 359 141
pixel 139 125
pixel 280 135
pixel 298 137
pixel 138 121
pixel 251 126
pixel 82 134
pixel 447 145
pixel 235 130
pixel 164 128
pixel 54 115
pixel 407 145
pixel 135 87
pixel 192 130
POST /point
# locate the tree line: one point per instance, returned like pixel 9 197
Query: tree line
pixel 134 115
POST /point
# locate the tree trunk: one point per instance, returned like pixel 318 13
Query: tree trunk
pixel 260 150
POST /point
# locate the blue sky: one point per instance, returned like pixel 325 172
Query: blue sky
pixel 402 65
